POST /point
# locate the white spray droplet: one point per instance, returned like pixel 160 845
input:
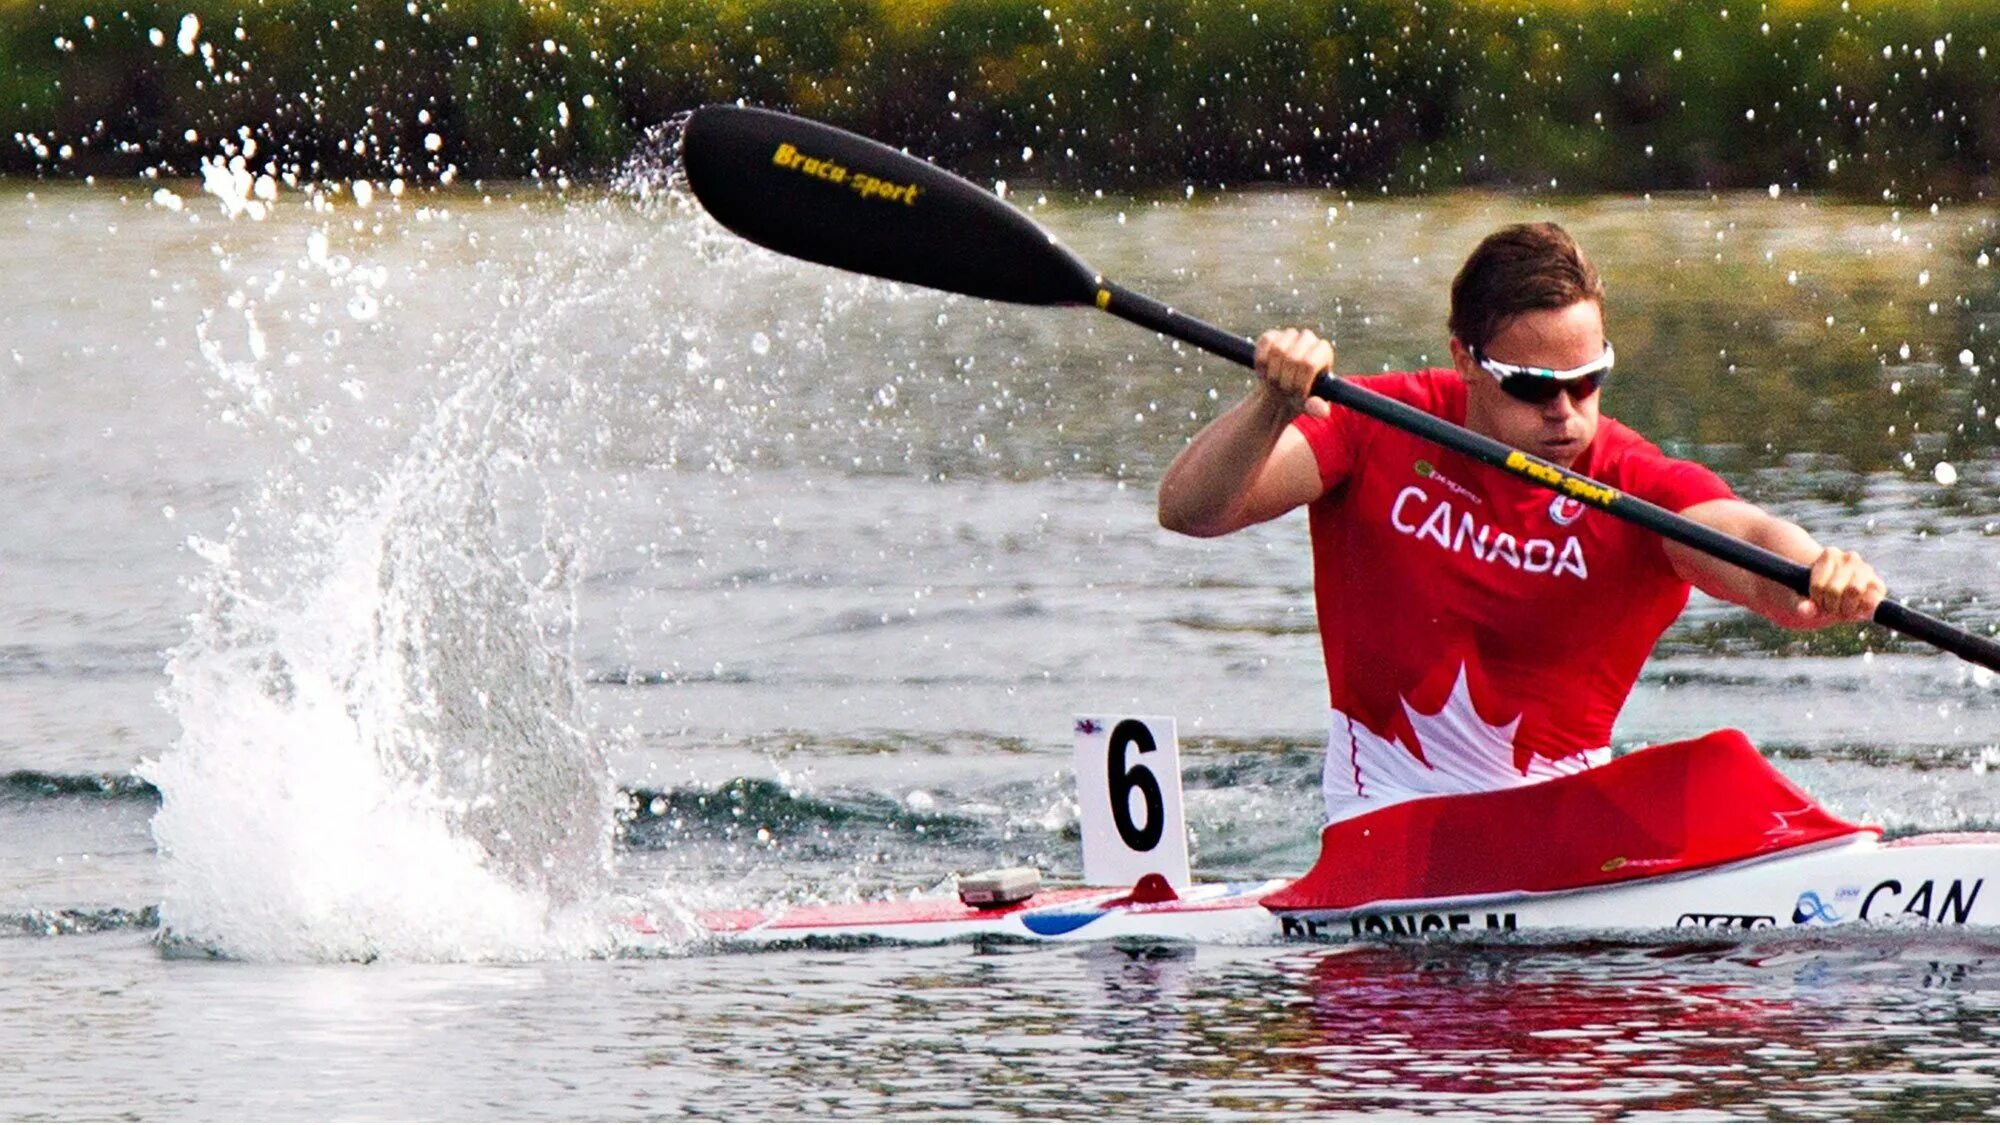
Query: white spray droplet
pixel 1945 473
pixel 761 344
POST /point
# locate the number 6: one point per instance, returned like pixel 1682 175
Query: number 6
pixel 1124 780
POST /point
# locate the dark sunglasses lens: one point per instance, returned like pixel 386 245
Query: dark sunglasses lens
pixel 1540 390
pixel 1531 388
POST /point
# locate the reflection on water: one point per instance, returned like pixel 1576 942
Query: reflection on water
pixel 1478 1023
pixel 1788 1028
pixel 1749 1028
pixel 1875 1027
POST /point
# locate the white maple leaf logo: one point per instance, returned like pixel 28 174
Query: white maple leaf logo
pixel 1462 753
pixel 1457 743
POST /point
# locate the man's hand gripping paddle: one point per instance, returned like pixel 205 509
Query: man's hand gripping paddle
pixel 826 195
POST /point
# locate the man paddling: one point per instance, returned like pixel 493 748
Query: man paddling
pixel 1480 632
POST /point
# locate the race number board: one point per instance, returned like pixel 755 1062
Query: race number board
pixel 1128 788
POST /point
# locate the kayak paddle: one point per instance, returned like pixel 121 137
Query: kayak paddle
pixel 812 191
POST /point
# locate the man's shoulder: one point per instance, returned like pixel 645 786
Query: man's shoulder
pixel 1339 439
pixel 1618 444
pixel 1624 457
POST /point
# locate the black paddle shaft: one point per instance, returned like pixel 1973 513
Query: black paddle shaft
pixel 812 191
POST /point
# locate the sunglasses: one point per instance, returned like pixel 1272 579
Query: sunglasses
pixel 1540 385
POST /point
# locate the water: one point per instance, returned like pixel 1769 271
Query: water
pixel 461 572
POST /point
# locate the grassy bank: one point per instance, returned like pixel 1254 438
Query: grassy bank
pixel 1854 97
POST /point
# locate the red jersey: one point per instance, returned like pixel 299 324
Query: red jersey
pixel 1479 631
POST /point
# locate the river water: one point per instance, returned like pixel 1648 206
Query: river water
pixel 403 587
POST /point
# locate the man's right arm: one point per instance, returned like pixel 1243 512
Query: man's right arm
pixel 1252 464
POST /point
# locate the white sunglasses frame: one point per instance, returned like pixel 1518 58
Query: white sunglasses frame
pixel 1500 370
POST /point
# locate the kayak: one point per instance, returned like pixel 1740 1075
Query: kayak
pixel 1921 880
pixel 1701 835
pixel 1708 837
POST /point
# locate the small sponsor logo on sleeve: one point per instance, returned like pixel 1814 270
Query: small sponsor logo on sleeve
pixel 1429 471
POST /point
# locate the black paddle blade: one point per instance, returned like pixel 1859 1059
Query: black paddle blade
pixel 823 194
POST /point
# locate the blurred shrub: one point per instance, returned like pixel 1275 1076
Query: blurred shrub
pixel 1852 96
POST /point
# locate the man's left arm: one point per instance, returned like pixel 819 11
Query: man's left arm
pixel 1844 587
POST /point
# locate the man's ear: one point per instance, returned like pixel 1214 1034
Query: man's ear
pixel 1461 357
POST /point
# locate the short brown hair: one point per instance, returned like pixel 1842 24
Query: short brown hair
pixel 1518 269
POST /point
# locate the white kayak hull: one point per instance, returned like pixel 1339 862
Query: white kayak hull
pixel 1938 880
pixel 1927 880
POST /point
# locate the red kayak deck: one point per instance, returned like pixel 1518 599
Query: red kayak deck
pixel 1666 809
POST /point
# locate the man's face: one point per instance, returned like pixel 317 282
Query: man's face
pixel 1560 429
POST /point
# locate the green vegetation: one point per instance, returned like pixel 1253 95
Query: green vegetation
pixel 1849 96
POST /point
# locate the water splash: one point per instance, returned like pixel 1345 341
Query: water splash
pixel 384 748
pixel 387 743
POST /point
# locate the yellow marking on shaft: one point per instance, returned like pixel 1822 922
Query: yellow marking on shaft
pixel 1567 483
pixel 1104 298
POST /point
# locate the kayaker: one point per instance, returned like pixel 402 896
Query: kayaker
pixel 1480 632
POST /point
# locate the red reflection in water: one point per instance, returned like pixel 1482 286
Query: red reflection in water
pixel 1468 1020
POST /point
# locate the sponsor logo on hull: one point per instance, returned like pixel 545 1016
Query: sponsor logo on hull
pixel 1726 921
pixel 1811 908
